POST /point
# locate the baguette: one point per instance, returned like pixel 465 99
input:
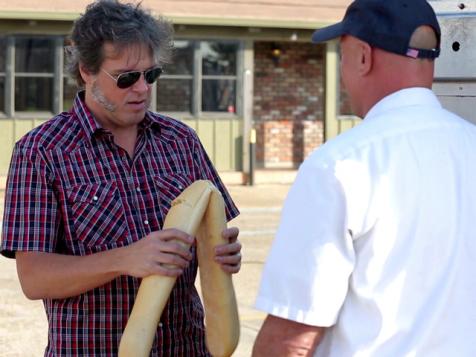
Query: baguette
pixel 221 313
pixel 199 205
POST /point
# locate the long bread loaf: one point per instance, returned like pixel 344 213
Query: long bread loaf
pixel 221 313
pixel 199 205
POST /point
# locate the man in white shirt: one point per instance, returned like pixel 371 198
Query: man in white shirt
pixel 376 251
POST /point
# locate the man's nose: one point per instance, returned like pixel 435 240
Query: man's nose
pixel 141 85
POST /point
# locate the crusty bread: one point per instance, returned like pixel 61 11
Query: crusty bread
pixel 221 313
pixel 199 205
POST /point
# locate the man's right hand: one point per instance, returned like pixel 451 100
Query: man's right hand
pixel 162 252
pixel 56 276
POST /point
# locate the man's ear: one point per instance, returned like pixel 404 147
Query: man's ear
pixel 365 58
pixel 85 74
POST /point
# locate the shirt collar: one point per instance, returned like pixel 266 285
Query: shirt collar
pixel 407 97
pixel 150 122
pixel 91 126
pixel 82 112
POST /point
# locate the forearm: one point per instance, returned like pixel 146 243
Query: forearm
pixel 56 276
pixel 284 338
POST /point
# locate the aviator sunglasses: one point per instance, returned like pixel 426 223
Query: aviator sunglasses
pixel 127 79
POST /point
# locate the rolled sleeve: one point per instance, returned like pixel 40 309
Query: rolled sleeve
pixel 306 275
pixel 30 221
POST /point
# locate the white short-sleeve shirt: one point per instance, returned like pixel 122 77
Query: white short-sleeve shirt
pixel 377 236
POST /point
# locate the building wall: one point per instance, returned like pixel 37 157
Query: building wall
pixel 288 102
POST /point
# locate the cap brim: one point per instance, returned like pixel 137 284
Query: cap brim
pixel 328 33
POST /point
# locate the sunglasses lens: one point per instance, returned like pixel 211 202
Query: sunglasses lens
pixel 125 80
pixel 152 74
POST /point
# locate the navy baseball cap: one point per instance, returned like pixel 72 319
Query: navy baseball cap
pixel 385 24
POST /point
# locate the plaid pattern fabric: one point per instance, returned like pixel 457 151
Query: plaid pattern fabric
pixel 71 190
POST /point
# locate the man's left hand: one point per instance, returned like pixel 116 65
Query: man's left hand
pixel 229 255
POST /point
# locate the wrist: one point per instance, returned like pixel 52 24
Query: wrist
pixel 118 261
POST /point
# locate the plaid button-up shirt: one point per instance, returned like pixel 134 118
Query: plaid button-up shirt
pixel 71 190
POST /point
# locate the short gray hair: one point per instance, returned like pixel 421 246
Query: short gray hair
pixel 122 25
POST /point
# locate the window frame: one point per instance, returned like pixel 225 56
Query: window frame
pixel 11 74
pixel 198 77
pixel 58 75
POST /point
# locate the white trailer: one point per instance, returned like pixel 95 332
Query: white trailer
pixel 455 77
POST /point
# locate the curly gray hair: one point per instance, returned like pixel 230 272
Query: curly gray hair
pixel 123 25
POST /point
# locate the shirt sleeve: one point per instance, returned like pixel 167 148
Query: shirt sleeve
pixel 30 220
pixel 205 170
pixel 306 275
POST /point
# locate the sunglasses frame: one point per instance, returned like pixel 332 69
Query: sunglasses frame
pixel 135 77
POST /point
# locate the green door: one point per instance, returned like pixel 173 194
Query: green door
pixel 335 122
pixel 222 139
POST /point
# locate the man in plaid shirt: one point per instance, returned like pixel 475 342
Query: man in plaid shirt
pixel 88 191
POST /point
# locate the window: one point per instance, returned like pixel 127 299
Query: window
pixel 34 74
pixel 202 78
pixel 30 73
pixel 175 87
pixel 3 55
pixel 219 76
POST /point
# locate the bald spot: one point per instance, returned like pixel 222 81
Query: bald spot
pixel 424 38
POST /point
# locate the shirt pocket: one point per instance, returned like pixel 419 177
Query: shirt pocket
pixel 97 214
pixel 169 187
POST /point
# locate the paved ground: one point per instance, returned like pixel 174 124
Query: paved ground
pixel 260 210
pixel 23 322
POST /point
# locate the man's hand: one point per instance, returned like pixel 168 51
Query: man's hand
pixel 162 252
pixel 229 255
pixel 56 276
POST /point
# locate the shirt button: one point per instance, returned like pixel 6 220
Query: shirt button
pixel 180 186
pixel 146 222
pixel 161 324
pixel 138 189
pixel 95 198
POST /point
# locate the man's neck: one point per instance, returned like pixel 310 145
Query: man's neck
pixel 126 139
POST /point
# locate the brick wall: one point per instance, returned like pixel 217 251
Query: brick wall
pixel 286 143
pixel 288 103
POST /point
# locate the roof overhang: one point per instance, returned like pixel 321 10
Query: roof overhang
pixel 291 14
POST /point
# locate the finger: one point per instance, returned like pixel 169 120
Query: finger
pixel 234 259
pixel 165 270
pixel 230 234
pixel 176 248
pixel 228 249
pixel 173 234
pixel 172 261
pixel 231 269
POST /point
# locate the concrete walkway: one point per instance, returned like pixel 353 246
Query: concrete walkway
pixel 260 208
